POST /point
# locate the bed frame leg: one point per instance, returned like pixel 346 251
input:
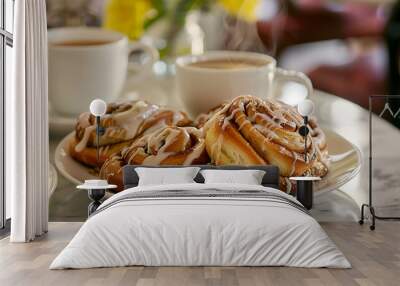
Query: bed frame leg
pixel 96 196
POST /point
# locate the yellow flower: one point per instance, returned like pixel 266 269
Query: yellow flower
pixel 127 16
pixel 244 9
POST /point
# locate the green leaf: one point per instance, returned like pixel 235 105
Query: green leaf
pixel 160 6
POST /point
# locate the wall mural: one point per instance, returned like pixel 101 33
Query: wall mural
pixel 182 105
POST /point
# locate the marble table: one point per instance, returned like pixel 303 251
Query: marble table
pixel 340 115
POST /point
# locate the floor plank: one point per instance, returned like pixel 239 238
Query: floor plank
pixel 375 257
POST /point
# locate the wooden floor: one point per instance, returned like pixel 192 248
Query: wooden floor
pixel 375 257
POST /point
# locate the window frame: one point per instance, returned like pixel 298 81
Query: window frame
pixel 6 39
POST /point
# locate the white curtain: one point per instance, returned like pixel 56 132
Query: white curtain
pixel 27 124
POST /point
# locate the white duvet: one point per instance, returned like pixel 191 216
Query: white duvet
pixel 200 231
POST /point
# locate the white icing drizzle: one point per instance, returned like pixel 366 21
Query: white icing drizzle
pixel 196 153
pixel 158 143
pixel 288 185
pixel 267 117
pixel 103 150
pixel 229 118
pixel 195 131
pixel 271 118
pixel 242 125
pixel 138 150
pixel 293 168
pixel 160 125
pixel 132 119
pixel 216 115
pixel 268 133
pixel 84 117
pixel 126 125
pixel 178 116
pixel 85 138
pixel 156 159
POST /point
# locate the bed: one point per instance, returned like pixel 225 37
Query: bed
pixel 197 224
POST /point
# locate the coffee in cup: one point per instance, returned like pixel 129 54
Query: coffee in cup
pixel 227 64
pixel 206 81
pixel 87 63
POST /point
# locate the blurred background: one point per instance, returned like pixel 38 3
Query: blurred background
pixel 348 48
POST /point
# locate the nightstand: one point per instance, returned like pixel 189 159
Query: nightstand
pixel 96 191
pixel 304 193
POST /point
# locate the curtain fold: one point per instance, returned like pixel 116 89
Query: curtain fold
pixel 27 124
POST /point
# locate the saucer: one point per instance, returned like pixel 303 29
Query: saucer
pixel 96 185
pixel 53 179
pixel 61 124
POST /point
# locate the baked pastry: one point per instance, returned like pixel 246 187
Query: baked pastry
pixel 88 155
pixel 168 146
pixel 123 123
pixel 252 131
pixel 202 118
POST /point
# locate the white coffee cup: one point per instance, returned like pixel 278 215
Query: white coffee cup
pixel 202 88
pixel 87 63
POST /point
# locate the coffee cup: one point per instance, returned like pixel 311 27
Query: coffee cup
pixel 87 63
pixel 206 81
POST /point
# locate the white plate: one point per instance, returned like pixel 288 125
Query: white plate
pixel 346 163
pixel 53 179
pixel 68 167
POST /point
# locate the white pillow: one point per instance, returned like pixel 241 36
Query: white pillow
pixel 248 177
pixel 163 176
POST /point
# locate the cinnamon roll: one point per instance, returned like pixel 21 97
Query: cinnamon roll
pixel 202 118
pixel 123 123
pixel 251 131
pixel 168 146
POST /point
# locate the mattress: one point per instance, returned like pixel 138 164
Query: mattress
pixel 201 225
